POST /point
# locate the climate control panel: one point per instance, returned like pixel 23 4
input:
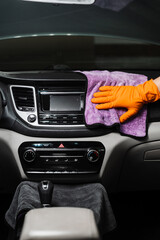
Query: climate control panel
pixel 61 157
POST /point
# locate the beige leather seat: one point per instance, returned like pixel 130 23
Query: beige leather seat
pixel 61 223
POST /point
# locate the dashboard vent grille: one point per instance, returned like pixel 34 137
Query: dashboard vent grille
pixel 24 99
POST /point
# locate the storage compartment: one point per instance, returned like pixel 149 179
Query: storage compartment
pixel 141 169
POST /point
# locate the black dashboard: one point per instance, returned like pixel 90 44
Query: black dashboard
pixel 43 135
pixel 30 97
pixel 48 107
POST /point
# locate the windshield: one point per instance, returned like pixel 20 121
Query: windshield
pixel 114 35
pixel 135 19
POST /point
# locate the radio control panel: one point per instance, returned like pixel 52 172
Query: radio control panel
pixel 60 119
pixel 49 158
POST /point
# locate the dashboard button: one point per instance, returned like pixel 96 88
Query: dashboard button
pixel 75 122
pixel 65 117
pixel 56 160
pixel 41 116
pixel 53 122
pixel 65 122
pixel 76 160
pixel 75 117
pixel 47 145
pixel 45 122
pixel 29 155
pixel 54 117
pixel 31 118
pixel 47 116
pixel 93 155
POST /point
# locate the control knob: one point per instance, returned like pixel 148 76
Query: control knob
pixel 31 118
pixel 93 155
pixel 29 155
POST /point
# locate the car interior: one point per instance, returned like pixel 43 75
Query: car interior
pixel 44 136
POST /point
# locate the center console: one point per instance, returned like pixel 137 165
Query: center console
pixel 52 105
pixel 67 157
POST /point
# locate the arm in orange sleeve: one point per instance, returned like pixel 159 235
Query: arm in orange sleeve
pixel 130 97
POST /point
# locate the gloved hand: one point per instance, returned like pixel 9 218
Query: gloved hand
pixel 131 97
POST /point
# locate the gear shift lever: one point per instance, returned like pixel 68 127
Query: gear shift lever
pixel 45 189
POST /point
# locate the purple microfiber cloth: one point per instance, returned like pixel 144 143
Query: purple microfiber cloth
pixel 136 125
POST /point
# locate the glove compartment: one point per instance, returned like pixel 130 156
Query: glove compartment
pixel 141 169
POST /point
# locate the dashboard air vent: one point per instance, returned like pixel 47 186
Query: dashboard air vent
pixel 24 98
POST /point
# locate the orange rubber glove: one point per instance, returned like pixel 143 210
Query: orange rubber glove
pixel 131 97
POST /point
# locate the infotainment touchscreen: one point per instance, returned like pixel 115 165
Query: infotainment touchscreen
pixel 61 102
pixel 65 103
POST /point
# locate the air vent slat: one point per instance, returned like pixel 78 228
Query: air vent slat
pixel 23 98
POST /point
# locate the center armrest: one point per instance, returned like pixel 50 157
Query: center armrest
pixel 59 223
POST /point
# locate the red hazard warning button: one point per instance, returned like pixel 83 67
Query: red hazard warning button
pixel 61 146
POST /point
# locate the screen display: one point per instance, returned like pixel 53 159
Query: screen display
pixel 65 102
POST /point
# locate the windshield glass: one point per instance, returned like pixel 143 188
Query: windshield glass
pixel 114 35
pixel 135 19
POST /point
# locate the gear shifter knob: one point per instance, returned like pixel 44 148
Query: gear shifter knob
pixel 45 189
